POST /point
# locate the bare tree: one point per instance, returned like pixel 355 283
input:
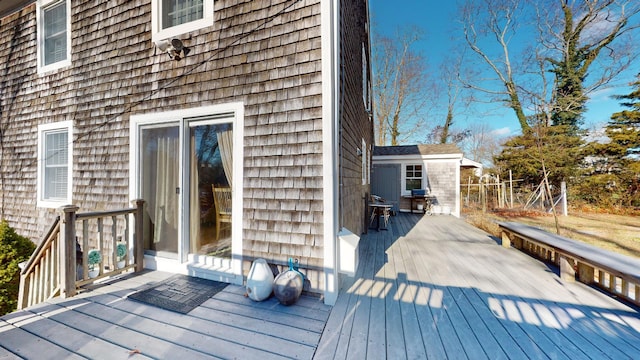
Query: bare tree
pixel 497 19
pixel 482 144
pixel 456 99
pixel 399 85
pixel 573 35
pixel 578 34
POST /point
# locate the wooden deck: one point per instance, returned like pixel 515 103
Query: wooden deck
pixel 103 324
pixel 438 288
pixel 429 287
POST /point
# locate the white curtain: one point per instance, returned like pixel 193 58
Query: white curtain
pixel 194 200
pixel 165 211
pixel 225 144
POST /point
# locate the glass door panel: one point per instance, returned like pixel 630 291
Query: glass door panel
pixel 210 173
pixel 160 188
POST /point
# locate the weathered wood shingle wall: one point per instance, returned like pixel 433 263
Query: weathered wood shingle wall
pixel 355 122
pixel 442 182
pixel 283 186
pixel 264 53
pixel 19 98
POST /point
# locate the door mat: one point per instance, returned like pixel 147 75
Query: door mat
pixel 179 293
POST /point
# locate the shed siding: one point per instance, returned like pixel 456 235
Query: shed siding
pixel 442 180
pixel 116 71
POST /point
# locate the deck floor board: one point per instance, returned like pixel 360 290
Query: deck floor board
pixel 429 287
pixel 473 299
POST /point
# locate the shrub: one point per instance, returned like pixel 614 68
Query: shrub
pixel 14 249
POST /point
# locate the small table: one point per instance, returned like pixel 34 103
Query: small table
pixel 380 209
pixel 427 201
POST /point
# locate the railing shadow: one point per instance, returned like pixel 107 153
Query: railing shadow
pixel 455 319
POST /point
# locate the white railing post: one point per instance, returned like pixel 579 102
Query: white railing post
pixel 67 250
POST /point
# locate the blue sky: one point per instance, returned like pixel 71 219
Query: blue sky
pixel 437 19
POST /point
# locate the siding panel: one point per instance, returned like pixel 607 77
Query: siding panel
pixel 273 67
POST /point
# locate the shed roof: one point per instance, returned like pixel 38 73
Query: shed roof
pixel 420 149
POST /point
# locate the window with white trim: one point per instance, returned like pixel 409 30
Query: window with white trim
pixel 54 164
pixel 54 35
pixel 365 163
pixel 171 18
pixel 365 80
pixel 413 177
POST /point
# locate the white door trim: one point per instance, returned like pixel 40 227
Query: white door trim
pixel 230 271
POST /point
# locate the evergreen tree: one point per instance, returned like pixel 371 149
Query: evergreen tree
pixel 618 160
pixel 13 250
pixel 557 146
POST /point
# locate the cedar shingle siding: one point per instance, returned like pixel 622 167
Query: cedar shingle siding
pixel 116 71
pixel 356 124
pixel 441 177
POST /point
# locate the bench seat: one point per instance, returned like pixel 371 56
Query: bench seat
pixel 577 259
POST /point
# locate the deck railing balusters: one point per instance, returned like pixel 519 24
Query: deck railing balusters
pixel 114 242
pixel 100 243
pixel 52 268
pixel 85 249
pixel 611 272
pixel 126 240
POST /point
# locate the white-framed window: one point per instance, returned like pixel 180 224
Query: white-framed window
pixel 55 150
pixel 365 163
pixel 54 35
pixel 413 177
pixel 365 80
pixel 171 18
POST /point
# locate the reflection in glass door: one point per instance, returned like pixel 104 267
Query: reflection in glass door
pixel 159 183
pixel 210 178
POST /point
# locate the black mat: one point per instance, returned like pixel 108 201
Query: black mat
pixel 179 293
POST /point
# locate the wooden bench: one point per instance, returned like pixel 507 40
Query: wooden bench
pixel 615 273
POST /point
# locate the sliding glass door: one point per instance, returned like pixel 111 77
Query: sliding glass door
pixel 160 188
pixel 185 165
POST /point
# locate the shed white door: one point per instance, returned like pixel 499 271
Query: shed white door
pixel 385 182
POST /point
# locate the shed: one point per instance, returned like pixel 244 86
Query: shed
pixel 435 168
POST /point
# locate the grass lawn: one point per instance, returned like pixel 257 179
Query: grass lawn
pixel 619 233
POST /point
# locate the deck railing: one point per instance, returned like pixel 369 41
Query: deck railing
pixel 615 273
pixel 60 264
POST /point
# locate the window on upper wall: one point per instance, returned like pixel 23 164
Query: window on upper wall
pixel 172 18
pixel 365 80
pixel 54 37
pixel 54 164
pixel 413 177
pixel 365 163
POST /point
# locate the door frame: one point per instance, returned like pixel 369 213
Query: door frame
pixel 186 263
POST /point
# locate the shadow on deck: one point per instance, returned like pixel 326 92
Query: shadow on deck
pixel 436 287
